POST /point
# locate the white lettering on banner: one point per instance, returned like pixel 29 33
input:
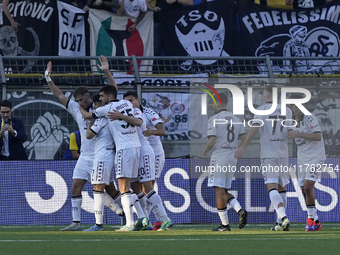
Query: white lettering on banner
pixel 34 10
pixel 277 18
pixel 60 194
pixel 56 202
pixel 177 190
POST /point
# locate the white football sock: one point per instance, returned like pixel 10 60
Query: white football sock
pixel 284 198
pixel 276 199
pixel 98 206
pixel 111 204
pixel 117 198
pixel 76 208
pixel 127 204
pixel 142 201
pixel 235 204
pixel 137 207
pixel 311 211
pixel 223 213
pixel 157 203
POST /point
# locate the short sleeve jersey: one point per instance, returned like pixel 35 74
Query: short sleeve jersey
pixel 87 145
pixel 104 144
pixel 124 134
pixel 274 128
pixel 134 8
pixel 224 126
pixel 309 150
pixel 151 120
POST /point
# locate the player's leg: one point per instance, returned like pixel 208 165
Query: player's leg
pixel 136 188
pixel 127 161
pixel 234 203
pixel 313 223
pixel 112 200
pixel 221 209
pixel 98 197
pixel 76 200
pixel 159 164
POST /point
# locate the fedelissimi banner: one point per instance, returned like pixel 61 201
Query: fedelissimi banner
pixel 42 194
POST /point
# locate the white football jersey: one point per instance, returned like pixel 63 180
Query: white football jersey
pixel 104 144
pixel 124 134
pixel 151 120
pixel 227 133
pixel 87 145
pixel 273 141
pixel 145 145
pixel 309 150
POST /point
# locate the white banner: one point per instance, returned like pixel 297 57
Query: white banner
pixel 109 37
pixel 71 30
pixel 175 110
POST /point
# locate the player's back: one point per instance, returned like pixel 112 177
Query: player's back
pixel 151 120
pixel 273 141
pixel 104 143
pixel 124 134
pixel 226 133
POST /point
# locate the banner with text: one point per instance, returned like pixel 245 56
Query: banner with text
pixel 292 33
pixel 71 30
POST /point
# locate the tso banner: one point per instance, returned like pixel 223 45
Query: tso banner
pixel 292 33
pixel 36 35
pixel 109 37
pixel 204 30
pixel 71 30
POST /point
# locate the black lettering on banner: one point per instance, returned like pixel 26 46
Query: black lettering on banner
pixel 71 41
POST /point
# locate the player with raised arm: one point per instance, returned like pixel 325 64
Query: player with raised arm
pixel 274 154
pixel 146 174
pixel 223 140
pixel 83 168
pixel 124 132
pixel 103 163
pixel 310 156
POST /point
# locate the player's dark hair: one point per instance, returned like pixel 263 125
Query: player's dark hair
pixel 6 103
pixel 130 93
pixel 109 90
pixel 80 91
pixel 224 99
pixel 269 89
pixel 96 98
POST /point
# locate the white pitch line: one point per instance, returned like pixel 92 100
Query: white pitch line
pixel 166 240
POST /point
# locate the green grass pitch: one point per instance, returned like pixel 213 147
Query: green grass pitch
pixel 180 239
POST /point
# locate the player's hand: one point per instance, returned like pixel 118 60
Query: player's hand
pixel 147 132
pixel 15 26
pixel 205 153
pixel 292 134
pixel 239 152
pixel 132 27
pixel 49 67
pixel 104 64
pixel 115 115
pixel 156 9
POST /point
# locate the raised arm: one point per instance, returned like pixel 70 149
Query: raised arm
pixel 116 115
pixel 55 90
pixel 104 66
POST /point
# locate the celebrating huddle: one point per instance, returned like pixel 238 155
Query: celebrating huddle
pixel 116 132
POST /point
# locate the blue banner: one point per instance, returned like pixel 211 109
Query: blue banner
pixel 38 193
